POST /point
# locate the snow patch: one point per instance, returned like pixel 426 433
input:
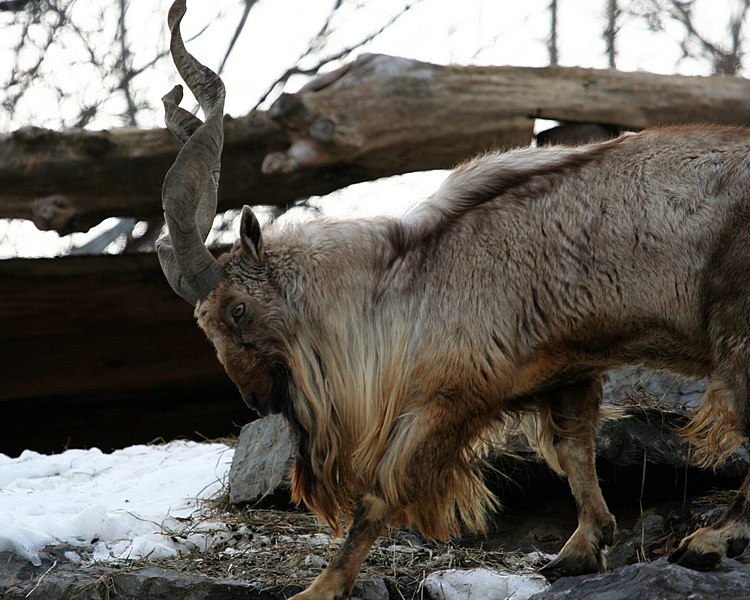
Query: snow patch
pixel 483 584
pixel 127 504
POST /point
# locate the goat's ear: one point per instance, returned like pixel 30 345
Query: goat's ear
pixel 250 236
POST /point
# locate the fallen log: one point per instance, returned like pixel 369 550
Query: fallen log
pixel 375 117
pixel 98 351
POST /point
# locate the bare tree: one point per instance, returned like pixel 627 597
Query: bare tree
pixel 725 55
pixel 554 57
pixel 610 32
pixel 317 51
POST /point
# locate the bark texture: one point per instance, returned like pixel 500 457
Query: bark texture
pixel 98 350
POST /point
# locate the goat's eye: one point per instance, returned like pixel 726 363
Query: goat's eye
pixel 238 310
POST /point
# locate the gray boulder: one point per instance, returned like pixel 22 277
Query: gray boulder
pixel 262 462
pixel 652 433
pixel 655 404
pixel 658 580
pixel 638 385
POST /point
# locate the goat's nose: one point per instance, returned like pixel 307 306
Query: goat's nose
pixel 251 400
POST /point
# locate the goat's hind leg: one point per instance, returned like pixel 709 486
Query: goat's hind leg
pixel 726 409
pixel 703 549
pixel 574 411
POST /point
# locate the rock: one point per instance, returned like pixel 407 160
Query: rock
pixel 663 401
pixel 638 382
pixel 63 581
pixel 653 433
pixel 157 583
pixel 372 588
pixel 659 580
pixel 482 584
pixel 262 463
pixel 643 431
pixel 647 537
pixel 655 407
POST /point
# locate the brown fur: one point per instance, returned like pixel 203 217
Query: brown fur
pixel 714 429
pixel 398 347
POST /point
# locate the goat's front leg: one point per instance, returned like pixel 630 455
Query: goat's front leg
pixel 337 579
pixel 575 414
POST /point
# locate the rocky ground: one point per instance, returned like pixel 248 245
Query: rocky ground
pixel 286 549
pixel 652 487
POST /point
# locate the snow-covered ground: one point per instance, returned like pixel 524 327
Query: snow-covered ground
pixel 127 504
pixel 483 584
pixel 146 502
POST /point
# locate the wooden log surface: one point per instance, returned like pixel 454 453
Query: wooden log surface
pixel 100 351
pixel 375 117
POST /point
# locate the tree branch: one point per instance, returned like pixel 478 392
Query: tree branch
pixel 240 26
pixel 339 55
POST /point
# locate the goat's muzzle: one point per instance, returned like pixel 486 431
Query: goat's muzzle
pixel 251 400
pixel 263 405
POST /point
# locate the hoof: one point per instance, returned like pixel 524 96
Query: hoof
pixel 736 546
pixel 607 536
pixel 693 560
pixel 703 550
pixel 568 566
